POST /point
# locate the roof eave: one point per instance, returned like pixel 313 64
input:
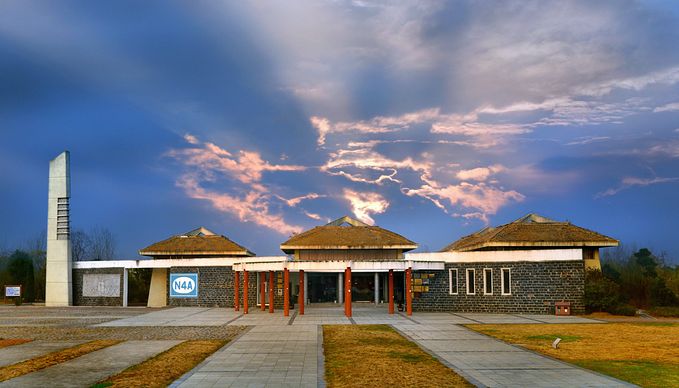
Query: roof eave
pixel 574 244
pixel 196 253
pixel 402 246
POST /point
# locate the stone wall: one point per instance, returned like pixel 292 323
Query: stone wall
pixel 215 288
pixel 535 287
pixel 80 300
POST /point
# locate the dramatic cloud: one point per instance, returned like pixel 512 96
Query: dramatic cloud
pixel 292 202
pixel 667 108
pixel 365 204
pixel 480 173
pixel 253 207
pixel 480 196
pixel 206 161
pixel 630 182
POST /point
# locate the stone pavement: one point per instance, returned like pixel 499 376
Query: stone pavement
pixel 267 355
pixel 17 353
pixel 92 367
pixel 178 316
pixel 279 351
pixel 488 362
pixel 286 351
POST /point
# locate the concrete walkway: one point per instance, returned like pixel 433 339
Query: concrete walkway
pixel 488 362
pixel 92 367
pixel 286 351
pixel 13 354
pixel 178 316
pixel 267 355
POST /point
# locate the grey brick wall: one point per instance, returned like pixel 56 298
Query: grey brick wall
pixel 215 288
pixel 535 288
pixel 80 300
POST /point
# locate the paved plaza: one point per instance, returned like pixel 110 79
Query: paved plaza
pixel 287 351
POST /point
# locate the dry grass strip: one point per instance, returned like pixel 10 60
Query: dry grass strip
pixel 642 353
pixel 51 359
pixel 11 342
pixel 378 356
pixel 166 367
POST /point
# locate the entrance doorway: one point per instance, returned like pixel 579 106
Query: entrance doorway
pixel 322 287
pixel 362 287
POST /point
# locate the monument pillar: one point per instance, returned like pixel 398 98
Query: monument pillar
pixel 58 287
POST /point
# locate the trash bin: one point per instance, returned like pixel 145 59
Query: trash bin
pixel 562 308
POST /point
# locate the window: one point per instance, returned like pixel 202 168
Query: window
pixel 470 281
pixel 487 281
pixel 452 274
pixel 506 281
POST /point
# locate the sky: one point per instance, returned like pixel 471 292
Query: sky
pixel 262 119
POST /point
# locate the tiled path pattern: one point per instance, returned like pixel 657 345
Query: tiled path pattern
pixel 286 351
pixel 92 367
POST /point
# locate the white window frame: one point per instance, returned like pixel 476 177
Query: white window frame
pixel 473 272
pixel 452 278
pixel 485 288
pixel 502 281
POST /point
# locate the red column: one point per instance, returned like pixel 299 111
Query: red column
pixel 236 284
pixel 286 292
pixel 300 299
pixel 391 291
pixel 262 290
pixel 246 278
pixel 409 292
pixel 347 300
pixel 271 291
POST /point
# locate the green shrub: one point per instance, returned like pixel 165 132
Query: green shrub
pixel 665 311
pixel 623 309
pixel 601 293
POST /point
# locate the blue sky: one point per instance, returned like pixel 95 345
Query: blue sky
pixel 259 120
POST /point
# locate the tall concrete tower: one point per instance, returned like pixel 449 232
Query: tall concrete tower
pixel 58 291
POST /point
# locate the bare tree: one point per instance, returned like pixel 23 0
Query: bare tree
pixel 102 244
pixel 80 245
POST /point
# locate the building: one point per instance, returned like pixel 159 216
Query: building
pixel 525 266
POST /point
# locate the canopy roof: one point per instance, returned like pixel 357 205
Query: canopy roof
pixel 198 242
pixel 347 233
pixel 533 231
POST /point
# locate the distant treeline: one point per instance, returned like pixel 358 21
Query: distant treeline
pixel 630 281
pixel 26 266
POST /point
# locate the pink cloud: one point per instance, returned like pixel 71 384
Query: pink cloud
pixel 246 166
pixel 365 204
pixel 480 173
pixel 292 202
pixel 207 160
pixel 253 207
pixel 484 198
pixel 629 182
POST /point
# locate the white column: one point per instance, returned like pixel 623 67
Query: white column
pixel 58 283
pixel 125 287
pixel 340 288
pixel 377 288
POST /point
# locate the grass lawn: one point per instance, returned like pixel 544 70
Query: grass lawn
pixel 646 354
pixel 378 356
pixel 166 367
pixel 12 342
pixel 54 358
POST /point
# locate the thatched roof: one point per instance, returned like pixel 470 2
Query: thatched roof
pixel 347 233
pixel 532 231
pixel 199 243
